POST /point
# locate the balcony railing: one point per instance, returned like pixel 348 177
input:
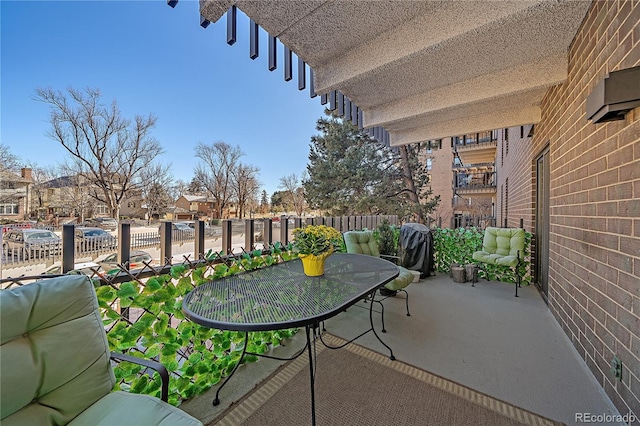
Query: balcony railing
pixel 239 235
pixel 474 180
pixel 474 139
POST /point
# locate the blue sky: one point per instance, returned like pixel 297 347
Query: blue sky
pixel 151 58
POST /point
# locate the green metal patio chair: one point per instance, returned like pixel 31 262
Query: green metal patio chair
pixel 502 247
pixel 55 364
pixel 363 242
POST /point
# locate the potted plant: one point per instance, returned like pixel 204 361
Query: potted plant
pixel 314 243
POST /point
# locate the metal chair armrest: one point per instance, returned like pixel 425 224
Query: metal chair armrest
pixel 394 259
pixel 154 365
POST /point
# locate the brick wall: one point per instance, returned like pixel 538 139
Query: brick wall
pixel 515 165
pixel 594 276
pixel 441 182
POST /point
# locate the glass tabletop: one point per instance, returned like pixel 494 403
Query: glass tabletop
pixel 282 296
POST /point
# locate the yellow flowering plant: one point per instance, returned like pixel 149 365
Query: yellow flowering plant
pixel 316 239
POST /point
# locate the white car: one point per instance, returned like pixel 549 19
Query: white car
pixel 136 261
pixel 90 269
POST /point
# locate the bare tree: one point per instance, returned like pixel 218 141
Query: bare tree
pixel 218 163
pixel 179 188
pixel 74 188
pixel 40 176
pixel 245 187
pixel 8 160
pixel 10 165
pixel 114 149
pixel 155 182
pixel 293 192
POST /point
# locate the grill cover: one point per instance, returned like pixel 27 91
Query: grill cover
pixel 416 246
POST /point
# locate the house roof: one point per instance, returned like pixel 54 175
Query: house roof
pixel 191 198
pixel 425 70
pixel 8 176
pixel 61 182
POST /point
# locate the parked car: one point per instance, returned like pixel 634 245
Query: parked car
pixel 182 229
pixel 90 269
pixel 137 260
pixel 208 230
pixel 103 222
pixel 30 242
pixel 94 239
pixel 192 224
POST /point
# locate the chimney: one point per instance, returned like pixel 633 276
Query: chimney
pixel 25 172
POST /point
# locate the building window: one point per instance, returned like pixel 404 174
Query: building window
pixel 429 163
pixel 502 201
pixel 9 208
pixel 101 209
pixel 506 141
pixel 506 201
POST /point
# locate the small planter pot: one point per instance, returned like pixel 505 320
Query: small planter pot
pixel 453 265
pixel 314 265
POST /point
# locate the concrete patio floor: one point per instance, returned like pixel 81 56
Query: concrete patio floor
pixel 482 337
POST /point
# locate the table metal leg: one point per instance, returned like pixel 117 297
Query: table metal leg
pixel 392 357
pixel 216 401
pixel 311 376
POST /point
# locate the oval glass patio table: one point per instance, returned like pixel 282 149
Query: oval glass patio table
pixel 282 296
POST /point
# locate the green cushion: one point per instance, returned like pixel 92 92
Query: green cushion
pixel 362 242
pixel 42 380
pixel 54 361
pixel 500 246
pixel 127 409
pixel 401 281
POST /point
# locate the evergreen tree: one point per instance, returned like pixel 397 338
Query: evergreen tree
pixel 264 202
pixel 349 173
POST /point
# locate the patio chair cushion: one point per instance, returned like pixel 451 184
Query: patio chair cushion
pixel 55 359
pixel 362 242
pixel 500 246
pixel 123 408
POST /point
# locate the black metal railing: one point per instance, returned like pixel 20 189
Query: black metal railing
pixel 474 139
pixel 230 235
pixel 463 180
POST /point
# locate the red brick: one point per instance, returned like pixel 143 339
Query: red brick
pixel 620 156
pixel 618 331
pixel 630 321
pixel 621 191
pixel 622 298
pixel 621 262
pixel 630 246
pixel 619 226
pixel 607 209
pixel 606 178
pixel 633 57
pixel 599 194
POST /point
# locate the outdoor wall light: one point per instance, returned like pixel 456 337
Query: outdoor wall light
pixel 614 96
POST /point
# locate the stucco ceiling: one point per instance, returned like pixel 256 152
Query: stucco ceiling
pixel 425 70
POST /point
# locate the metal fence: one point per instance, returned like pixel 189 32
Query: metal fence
pixel 239 235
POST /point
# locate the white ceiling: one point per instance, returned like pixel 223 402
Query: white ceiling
pixel 425 70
